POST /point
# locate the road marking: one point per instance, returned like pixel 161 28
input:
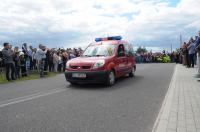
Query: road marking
pixel 29 97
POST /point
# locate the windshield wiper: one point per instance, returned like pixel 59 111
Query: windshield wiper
pixel 98 55
pixel 87 55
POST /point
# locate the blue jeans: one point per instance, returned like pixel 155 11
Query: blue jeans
pixel 191 60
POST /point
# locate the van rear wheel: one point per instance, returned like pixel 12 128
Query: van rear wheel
pixel 111 78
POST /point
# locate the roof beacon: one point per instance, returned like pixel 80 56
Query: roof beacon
pixel 108 38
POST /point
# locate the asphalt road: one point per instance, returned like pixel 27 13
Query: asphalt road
pixel 52 105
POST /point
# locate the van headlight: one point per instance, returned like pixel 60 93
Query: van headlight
pixel 98 64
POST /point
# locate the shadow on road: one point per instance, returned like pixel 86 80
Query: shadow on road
pixel 120 83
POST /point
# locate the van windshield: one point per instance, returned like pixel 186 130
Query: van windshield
pixel 100 50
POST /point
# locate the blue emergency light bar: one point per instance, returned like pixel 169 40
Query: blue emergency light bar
pixel 108 38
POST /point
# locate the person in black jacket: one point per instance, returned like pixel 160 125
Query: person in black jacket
pixel 8 55
pixel 64 60
pixel 50 62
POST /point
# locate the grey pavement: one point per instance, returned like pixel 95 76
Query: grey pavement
pixel 52 105
pixel 180 111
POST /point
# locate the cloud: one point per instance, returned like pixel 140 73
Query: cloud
pixel 70 23
pixel 161 25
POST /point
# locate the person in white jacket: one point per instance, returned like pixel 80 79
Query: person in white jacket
pixel 40 57
pixel 55 61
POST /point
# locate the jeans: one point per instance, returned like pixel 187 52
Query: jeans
pixel 51 66
pixel 10 67
pixel 64 66
pixel 184 60
pixel 17 71
pixel 55 67
pixel 191 60
pixel 41 67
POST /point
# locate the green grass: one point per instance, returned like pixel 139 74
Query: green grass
pixel 31 76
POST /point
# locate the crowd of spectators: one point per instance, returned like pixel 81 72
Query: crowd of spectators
pixel 21 61
pixel 189 53
pixel 158 57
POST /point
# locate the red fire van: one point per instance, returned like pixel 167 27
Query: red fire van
pixel 102 62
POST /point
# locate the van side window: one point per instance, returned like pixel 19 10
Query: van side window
pixel 129 49
pixel 132 52
pixel 126 49
pixel 121 51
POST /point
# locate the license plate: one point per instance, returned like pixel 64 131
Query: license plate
pixel 79 75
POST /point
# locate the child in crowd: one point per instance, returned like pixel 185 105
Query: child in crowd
pixel 17 64
pixel 23 65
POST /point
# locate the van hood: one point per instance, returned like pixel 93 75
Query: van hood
pixel 84 63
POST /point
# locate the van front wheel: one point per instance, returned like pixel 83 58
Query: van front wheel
pixel 111 78
pixel 132 73
pixel 73 83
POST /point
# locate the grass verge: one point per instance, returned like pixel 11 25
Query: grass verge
pixel 32 76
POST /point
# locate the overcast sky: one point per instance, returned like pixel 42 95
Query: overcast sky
pixel 73 23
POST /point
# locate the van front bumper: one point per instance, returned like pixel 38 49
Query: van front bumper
pixel 91 76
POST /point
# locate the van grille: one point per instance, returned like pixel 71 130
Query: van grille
pixel 83 67
pixel 74 67
pixel 86 67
